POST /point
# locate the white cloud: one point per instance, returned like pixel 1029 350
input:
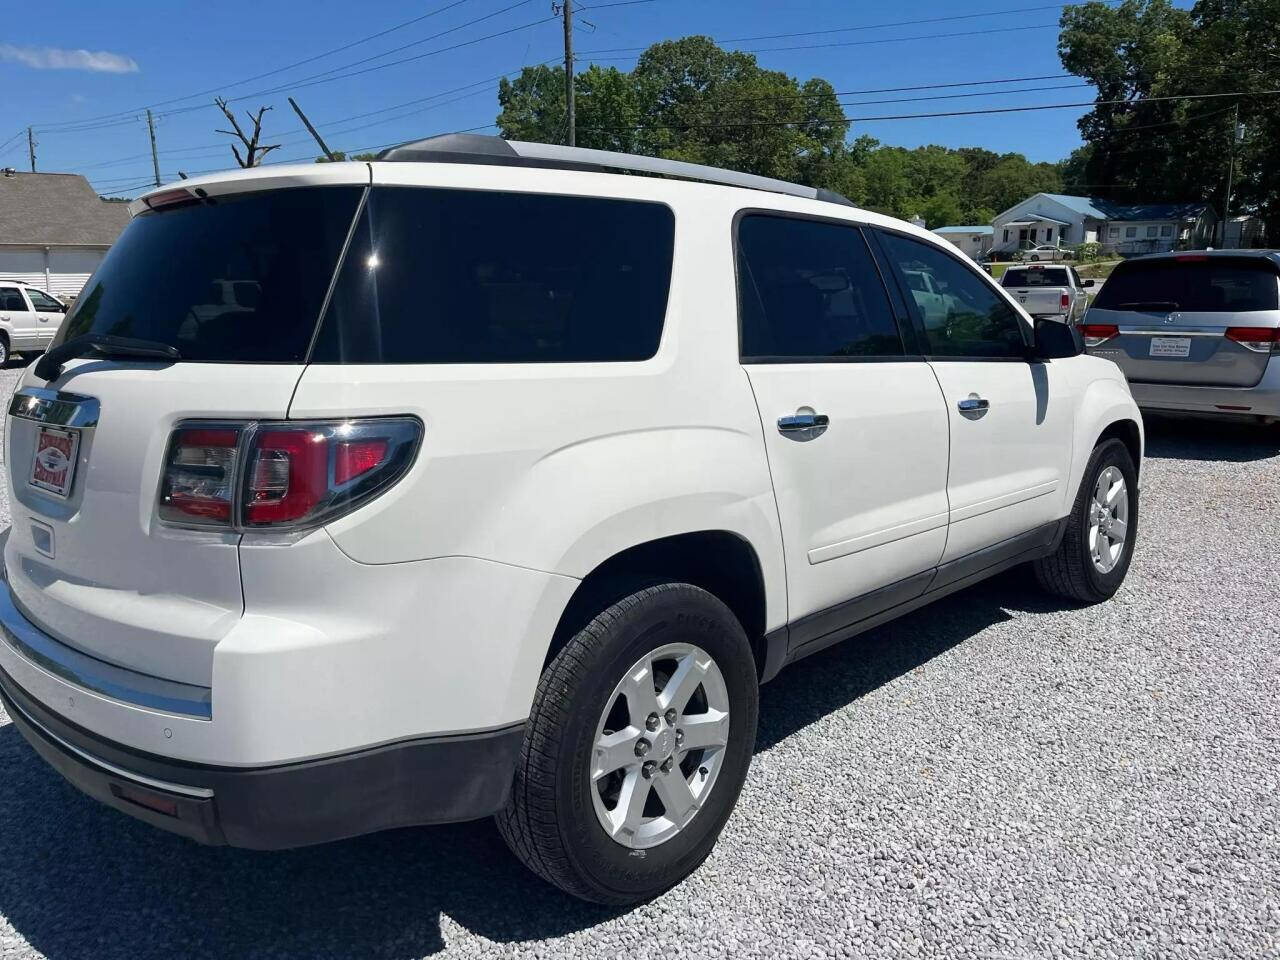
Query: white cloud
pixel 52 58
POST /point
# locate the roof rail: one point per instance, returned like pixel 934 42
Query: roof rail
pixel 479 148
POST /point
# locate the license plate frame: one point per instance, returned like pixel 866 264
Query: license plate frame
pixel 1175 348
pixel 55 473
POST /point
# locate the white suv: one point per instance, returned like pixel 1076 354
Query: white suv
pixel 507 488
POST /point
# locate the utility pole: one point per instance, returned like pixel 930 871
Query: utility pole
pixel 310 129
pixel 155 163
pixel 566 7
pixel 31 148
pixel 1231 171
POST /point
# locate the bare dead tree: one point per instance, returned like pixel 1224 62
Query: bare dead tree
pixel 253 150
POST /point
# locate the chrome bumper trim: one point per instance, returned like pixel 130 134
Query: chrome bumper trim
pixel 198 792
pixel 98 676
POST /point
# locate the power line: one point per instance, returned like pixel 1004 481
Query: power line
pixel 952 113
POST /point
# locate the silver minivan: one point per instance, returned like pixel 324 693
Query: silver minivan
pixel 1195 333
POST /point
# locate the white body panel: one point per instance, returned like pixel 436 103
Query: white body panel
pixel 1009 464
pixel 865 503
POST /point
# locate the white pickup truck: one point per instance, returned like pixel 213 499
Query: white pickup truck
pixel 1054 292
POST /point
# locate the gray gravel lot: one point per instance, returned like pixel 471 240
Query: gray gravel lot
pixel 993 776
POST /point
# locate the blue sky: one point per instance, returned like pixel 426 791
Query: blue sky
pixel 83 59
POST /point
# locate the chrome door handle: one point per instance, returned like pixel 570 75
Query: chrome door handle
pixel 803 426
pixel 972 403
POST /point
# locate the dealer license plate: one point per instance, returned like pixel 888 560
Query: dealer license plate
pixel 1170 346
pixel 54 465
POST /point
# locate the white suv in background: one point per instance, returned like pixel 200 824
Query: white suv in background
pixel 29 319
pixel 508 487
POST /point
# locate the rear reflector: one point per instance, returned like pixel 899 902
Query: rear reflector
pixel 298 473
pixel 1096 333
pixel 159 802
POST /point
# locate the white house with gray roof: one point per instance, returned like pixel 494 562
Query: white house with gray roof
pixel 54 229
pixel 974 239
pixel 1126 229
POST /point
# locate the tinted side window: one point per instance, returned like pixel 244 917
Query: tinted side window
pixel 42 302
pixel 963 317
pixel 809 289
pixel 470 276
pixel 11 299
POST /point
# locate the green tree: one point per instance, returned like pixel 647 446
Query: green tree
pixel 689 100
pixel 1176 150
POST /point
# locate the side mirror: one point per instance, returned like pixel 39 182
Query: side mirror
pixel 1055 340
pixel 1088 283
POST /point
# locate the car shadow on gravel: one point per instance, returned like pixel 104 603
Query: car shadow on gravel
pixel 78 879
pixel 1222 440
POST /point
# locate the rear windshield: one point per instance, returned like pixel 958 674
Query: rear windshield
pixel 469 276
pixel 241 279
pixel 1032 277
pixel 1203 286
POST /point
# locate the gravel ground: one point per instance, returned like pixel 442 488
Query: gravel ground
pixel 993 776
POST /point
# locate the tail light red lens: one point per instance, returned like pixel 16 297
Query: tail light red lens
pixel 1065 301
pixel 200 475
pixel 1096 333
pixel 1259 339
pixel 293 474
pixel 287 475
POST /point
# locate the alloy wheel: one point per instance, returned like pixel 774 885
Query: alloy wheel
pixel 659 745
pixel 1108 520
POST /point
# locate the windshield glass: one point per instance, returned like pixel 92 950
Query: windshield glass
pixel 1032 277
pixel 239 279
pixel 1211 285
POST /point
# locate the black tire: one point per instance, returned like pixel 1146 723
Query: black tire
pixel 5 355
pixel 550 822
pixel 1070 572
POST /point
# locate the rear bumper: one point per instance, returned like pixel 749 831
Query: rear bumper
pixel 1260 400
pixel 428 780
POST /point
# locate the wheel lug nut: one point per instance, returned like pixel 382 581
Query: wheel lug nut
pixel 647 770
pixel 679 738
pixel 666 765
pixel 652 721
pixel 642 747
pixel 670 717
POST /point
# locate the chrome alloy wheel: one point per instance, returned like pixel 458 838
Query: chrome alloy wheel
pixel 1108 520
pixel 659 745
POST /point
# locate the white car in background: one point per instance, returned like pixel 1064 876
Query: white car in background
pixel 29 319
pixel 1047 251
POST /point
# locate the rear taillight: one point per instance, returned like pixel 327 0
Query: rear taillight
pixel 1096 333
pixel 200 475
pixel 1259 339
pixel 1065 301
pixel 293 474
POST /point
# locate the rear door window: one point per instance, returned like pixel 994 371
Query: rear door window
pixel 471 276
pixel 1211 285
pixel 810 290
pixel 177 275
